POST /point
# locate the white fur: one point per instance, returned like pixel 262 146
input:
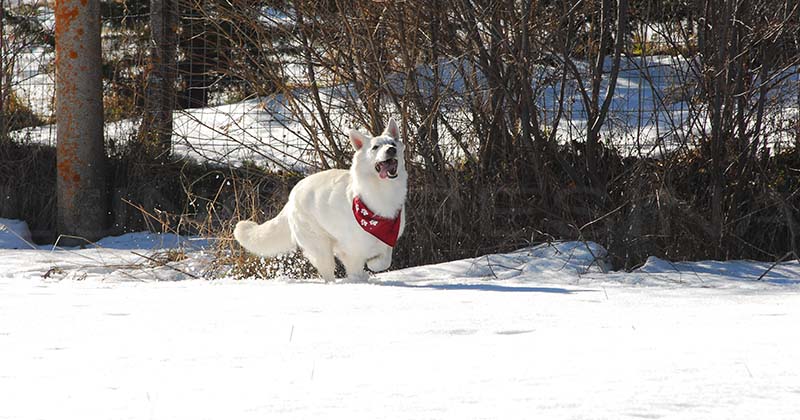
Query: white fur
pixel 318 218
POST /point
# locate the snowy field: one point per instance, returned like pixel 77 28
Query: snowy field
pixel 545 332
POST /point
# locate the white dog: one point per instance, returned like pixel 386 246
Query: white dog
pixel 355 215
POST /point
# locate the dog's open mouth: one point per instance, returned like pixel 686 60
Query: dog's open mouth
pixel 387 168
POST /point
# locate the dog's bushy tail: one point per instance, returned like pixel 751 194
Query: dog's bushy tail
pixel 269 239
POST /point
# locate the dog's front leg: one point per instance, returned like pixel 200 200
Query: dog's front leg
pixel 380 262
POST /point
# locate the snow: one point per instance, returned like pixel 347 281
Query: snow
pixel 544 332
pixel 248 131
pixel 148 240
pixel 14 234
pixel 649 113
pixel 129 327
pixel 34 84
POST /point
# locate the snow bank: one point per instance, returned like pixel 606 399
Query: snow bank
pixel 14 234
pixel 149 240
pixel 718 273
pixel 130 257
pixel 584 263
pixel 140 256
pixel 553 259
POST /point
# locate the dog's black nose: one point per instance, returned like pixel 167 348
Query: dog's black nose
pixel 391 151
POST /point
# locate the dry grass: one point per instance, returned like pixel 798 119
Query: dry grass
pixel 244 195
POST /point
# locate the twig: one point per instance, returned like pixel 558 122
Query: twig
pixel 782 259
pixel 164 264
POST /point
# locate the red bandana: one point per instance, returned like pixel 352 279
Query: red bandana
pixel 387 230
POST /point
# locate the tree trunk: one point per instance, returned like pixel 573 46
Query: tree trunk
pixel 155 132
pixel 82 196
pixel 599 107
pixel 3 69
pixel 795 4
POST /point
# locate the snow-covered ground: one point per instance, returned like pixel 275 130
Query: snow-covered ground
pixel 545 332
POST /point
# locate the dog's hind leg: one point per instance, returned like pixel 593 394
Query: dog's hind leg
pixel 318 248
pixel 323 261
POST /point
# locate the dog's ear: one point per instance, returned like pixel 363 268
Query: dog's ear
pixel 357 139
pixel 392 130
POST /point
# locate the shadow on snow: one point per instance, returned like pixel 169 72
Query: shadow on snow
pixel 484 287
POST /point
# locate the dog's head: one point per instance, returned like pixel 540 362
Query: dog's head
pixel 380 156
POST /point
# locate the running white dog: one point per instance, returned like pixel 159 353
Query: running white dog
pixel 355 215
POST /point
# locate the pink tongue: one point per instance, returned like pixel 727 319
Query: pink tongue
pixel 384 171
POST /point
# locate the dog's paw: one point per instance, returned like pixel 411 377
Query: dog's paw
pixel 359 277
pixel 380 263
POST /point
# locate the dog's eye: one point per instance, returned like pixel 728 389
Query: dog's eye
pixel 375 147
